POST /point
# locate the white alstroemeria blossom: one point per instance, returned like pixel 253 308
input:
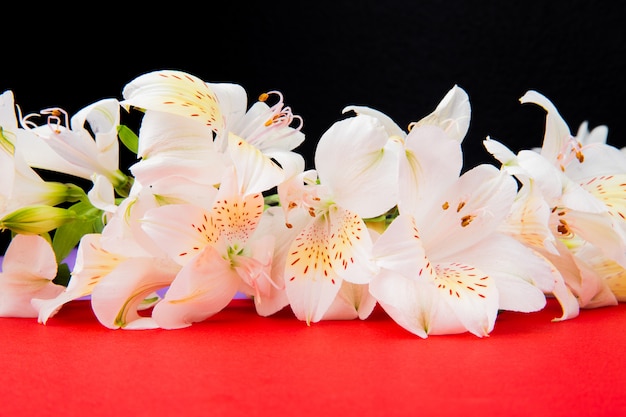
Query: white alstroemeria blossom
pixel 357 167
pixel 218 251
pixel 28 268
pixel 446 268
pixel 183 94
pixel 582 182
pixel 20 185
pixel 85 146
pixel 221 108
pixel 271 130
pixel 448 123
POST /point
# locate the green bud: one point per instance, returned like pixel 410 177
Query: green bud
pixel 37 219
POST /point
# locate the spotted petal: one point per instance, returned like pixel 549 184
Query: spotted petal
pixel 175 92
pixel 310 278
pixel 181 230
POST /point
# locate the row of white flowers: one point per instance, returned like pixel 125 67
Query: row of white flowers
pixel 218 202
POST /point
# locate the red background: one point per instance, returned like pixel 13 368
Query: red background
pixel 237 363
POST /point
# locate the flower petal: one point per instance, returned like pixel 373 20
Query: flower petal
pixel 452 114
pixel 256 172
pixel 362 144
pixel 92 263
pixel 310 277
pixel 557 132
pixel 353 301
pixel 175 92
pixel 181 230
pixel 432 163
pixel 202 288
pixel 28 268
pixel 117 298
pixel 467 212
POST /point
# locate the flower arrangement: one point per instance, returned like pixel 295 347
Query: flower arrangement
pixel 219 203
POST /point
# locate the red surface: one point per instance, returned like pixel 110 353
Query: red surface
pixel 240 364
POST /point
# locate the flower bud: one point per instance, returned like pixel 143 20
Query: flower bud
pixel 36 219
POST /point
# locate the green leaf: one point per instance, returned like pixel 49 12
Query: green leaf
pixel 128 138
pixel 67 236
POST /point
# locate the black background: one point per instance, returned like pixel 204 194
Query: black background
pixel 400 57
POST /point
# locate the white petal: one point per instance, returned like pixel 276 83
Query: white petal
pixel 399 248
pixel 432 163
pixel 521 276
pixel 391 127
pixel 92 263
pixel 174 135
pixel 557 132
pixel 452 114
pixel 470 210
pixel 353 301
pixel 201 289
pixel 410 303
pixel 116 299
pixel 256 172
pixel 181 230
pixel 361 144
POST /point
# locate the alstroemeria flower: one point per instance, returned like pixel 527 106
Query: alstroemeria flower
pixel 219 108
pixel 582 181
pixel 218 250
pixel 28 268
pixel 448 123
pixel 335 245
pixel 20 185
pixel 445 268
pixel 86 146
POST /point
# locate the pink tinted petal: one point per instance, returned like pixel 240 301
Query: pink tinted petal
pixel 201 289
pixel 391 127
pixel 556 130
